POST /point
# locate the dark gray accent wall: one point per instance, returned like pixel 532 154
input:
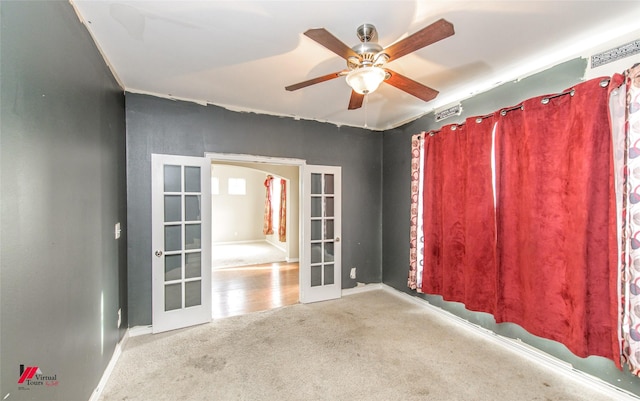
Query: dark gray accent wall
pixel 396 204
pixel 62 159
pixel 156 125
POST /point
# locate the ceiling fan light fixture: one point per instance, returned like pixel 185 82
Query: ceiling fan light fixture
pixel 366 79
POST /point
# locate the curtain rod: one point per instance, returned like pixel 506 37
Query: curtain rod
pixel 480 118
pixel 503 112
pixel 545 100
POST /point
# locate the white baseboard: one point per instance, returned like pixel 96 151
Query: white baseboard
pixel 112 364
pixel 136 331
pixel 248 241
pixel 361 288
pixel 292 260
pixel 557 365
pixel 276 244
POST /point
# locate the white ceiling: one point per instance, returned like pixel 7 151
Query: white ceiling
pixel 241 54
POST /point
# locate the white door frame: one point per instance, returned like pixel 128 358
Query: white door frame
pixel 245 158
pixel 302 164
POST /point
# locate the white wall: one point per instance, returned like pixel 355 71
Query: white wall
pixel 237 217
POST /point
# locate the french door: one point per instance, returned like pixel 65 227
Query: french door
pixel 321 271
pixel 181 241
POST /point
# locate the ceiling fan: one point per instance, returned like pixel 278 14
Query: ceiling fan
pixel 365 61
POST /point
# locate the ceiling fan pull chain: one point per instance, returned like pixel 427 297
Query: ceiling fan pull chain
pixel 366 101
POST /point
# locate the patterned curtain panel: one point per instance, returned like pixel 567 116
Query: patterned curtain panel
pixel 416 239
pixel 625 107
pixel 268 208
pixel 282 222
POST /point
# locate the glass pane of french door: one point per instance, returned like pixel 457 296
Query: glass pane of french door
pixel 182 187
pixel 322 241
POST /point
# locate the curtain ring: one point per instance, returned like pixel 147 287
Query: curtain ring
pixel 544 100
pixel 604 82
pixel 479 120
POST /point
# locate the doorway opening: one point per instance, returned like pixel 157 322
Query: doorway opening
pixel 253 271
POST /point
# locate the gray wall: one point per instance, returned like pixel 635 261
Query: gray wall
pixel 62 144
pixel 156 125
pixel 396 201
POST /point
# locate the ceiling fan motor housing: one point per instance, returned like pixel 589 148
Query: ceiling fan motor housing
pixel 367 33
pixel 369 49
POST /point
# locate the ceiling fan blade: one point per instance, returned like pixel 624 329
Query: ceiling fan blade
pixel 437 31
pixel 356 100
pixel 410 86
pixel 326 39
pixel 313 81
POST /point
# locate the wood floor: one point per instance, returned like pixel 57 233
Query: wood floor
pixel 241 290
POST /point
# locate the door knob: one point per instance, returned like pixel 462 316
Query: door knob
pixel 158 253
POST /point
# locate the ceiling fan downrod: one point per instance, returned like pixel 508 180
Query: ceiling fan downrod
pixel 369 50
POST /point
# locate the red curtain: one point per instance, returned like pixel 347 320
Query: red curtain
pixel 282 221
pixel 459 234
pixel 542 254
pixel 480 219
pixel 453 146
pixel 432 275
pixel 268 208
pixel 556 220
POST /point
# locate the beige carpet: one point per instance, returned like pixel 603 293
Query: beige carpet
pixel 245 253
pixel 368 346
